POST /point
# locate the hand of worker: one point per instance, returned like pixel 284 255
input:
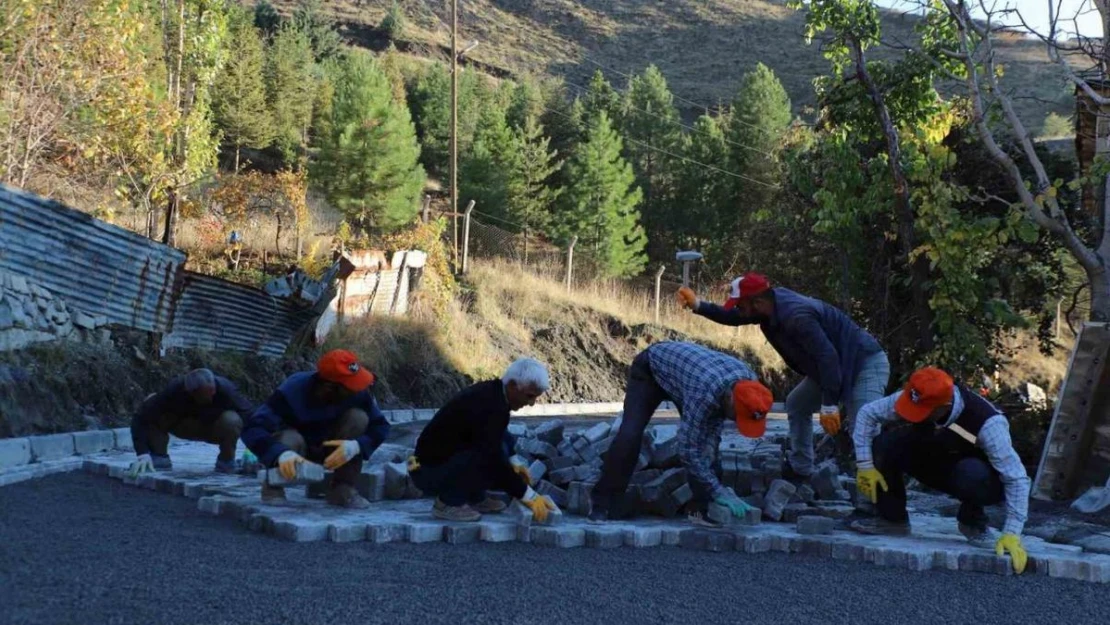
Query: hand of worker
pixel 830 419
pixel 738 507
pixel 522 471
pixel 868 482
pixel 539 504
pixel 413 464
pixel 1012 543
pixel 344 451
pixel 687 298
pixel 142 464
pixel 287 464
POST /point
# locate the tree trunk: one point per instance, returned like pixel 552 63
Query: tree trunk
pixel 277 238
pixel 1099 280
pixel 169 234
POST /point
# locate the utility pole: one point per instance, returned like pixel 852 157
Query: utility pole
pixel 455 123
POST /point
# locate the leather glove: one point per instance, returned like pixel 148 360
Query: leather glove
pixel 142 464
pixel 522 471
pixel 539 504
pixel 287 464
pixel 868 482
pixel 1012 544
pixel 738 507
pixel 830 419
pixel 345 450
pixel 687 298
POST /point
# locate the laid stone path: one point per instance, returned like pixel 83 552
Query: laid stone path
pixel 935 543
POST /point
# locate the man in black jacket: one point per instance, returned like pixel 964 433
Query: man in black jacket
pixel 462 452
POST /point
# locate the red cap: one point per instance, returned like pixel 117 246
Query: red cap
pixel 746 285
pixel 342 367
pixel 927 389
pixel 751 401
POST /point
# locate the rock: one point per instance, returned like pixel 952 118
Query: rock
pixel 18 284
pixel 563 476
pixel 81 320
pixel 793 511
pixel 1034 396
pixel 561 462
pixel 808 525
pixel 777 498
pixel 663 485
pixel 550 432
pixel 595 449
pixel 578 498
pixel 826 480
pixel 536 447
pixel 597 432
pixel 536 470
pixel 558 495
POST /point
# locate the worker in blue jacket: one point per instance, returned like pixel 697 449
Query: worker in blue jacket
pixel 843 365
pixel 326 416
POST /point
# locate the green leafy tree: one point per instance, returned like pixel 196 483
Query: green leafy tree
pixel 239 94
pixel 526 102
pixel 484 169
pixel 430 101
pixel 705 194
pixel 368 164
pixel 309 18
pixel 758 119
pixel 600 205
pixel 530 194
pixel 600 97
pixel 394 23
pixel 652 134
pixel 266 18
pixel 291 89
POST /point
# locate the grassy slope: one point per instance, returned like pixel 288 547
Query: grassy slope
pixel 702 46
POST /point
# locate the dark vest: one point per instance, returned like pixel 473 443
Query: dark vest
pixel 960 437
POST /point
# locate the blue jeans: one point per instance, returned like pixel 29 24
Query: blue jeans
pixel 805 399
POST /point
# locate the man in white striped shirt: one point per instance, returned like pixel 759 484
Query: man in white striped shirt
pixel 950 439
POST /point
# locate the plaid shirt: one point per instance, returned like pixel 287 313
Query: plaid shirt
pixel 993 439
pixel 696 378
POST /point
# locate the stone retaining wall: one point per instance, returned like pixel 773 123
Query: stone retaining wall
pixel 30 314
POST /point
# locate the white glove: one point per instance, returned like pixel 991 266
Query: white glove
pixel 344 451
pixel 142 464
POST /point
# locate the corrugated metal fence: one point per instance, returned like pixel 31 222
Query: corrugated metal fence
pixel 98 268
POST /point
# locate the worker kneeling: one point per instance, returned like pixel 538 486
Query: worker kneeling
pixel 200 406
pixel 326 416
pixel 709 388
pixel 464 451
pixel 949 439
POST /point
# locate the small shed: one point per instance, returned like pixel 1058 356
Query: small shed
pixel 1092 137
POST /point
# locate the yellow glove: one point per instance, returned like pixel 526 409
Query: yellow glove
pixel 868 482
pixel 522 471
pixel 539 504
pixel 287 464
pixel 687 298
pixel 345 450
pixel 830 419
pixel 1012 543
pixel 413 464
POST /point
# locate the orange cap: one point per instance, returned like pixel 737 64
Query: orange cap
pixel 751 401
pixel 926 390
pixel 342 367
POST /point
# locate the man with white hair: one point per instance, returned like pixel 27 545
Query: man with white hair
pixel 464 450
pixel 200 406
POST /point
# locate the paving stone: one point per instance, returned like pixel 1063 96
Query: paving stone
pixel 564 537
pixel 643 537
pixel 491 532
pixel 462 534
pixel 672 536
pixel 519 513
pixel 14 452
pixel 832 510
pixel 604 537
pixel 595 450
pixel 371 483
pixel 93 441
pixel 753 543
pixel 815 547
pixel 536 448
pixel 307 473
pixel 663 485
pixel 122 439
pixel 566 450
pixel 423 532
pixel 563 476
pixel 708 540
pixel 809 524
pixel 777 498
pixel 550 432
pixel 640 478
pixel 642 461
pixel 847 550
pixel 301 531
pixel 537 470
pixel 51 447
pixel 724 516
pixel 260 523
pixel 785 544
pixel 586 473
pixel 14 477
pixel 579 443
pixel 597 432
pixel 986 562
pixel 396 480
pixel 562 462
pixel 557 495
pixel 423 414
pixel 1097 543
pixel 346 532
pixel 804 494
pixel 826 480
pixel 792 512
pixel 664 453
pixel 947 559
pixel 411 491
pixel 386 532
pixel 578 495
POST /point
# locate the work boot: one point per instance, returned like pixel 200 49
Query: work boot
pixel 489 505
pixel 162 463
pixel 597 515
pixel 273 494
pixel 979 536
pixel 879 526
pixel 226 466
pixel 464 512
pixel 346 496
pixel 699 519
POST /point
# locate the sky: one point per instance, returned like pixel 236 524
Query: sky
pixel 1035 13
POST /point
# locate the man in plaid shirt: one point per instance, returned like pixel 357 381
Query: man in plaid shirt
pixel 709 388
pixel 952 440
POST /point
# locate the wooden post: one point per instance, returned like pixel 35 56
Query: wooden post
pixel 524 263
pixel 466 235
pixel 570 260
pixel 658 281
pixel 426 211
pixel 455 124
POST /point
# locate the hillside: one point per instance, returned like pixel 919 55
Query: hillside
pixel 703 47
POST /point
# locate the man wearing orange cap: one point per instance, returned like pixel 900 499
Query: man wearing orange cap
pixel 949 439
pixel 709 388
pixel 841 362
pixel 326 416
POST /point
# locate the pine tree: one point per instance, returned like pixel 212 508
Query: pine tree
pixel 600 96
pixel 266 18
pixel 368 164
pixel 309 18
pixel 652 133
pixel 531 195
pixel 758 120
pixel 290 90
pixel 483 170
pixel 600 204
pixel 431 109
pixel 239 96
pixel 525 102
pixel 704 192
